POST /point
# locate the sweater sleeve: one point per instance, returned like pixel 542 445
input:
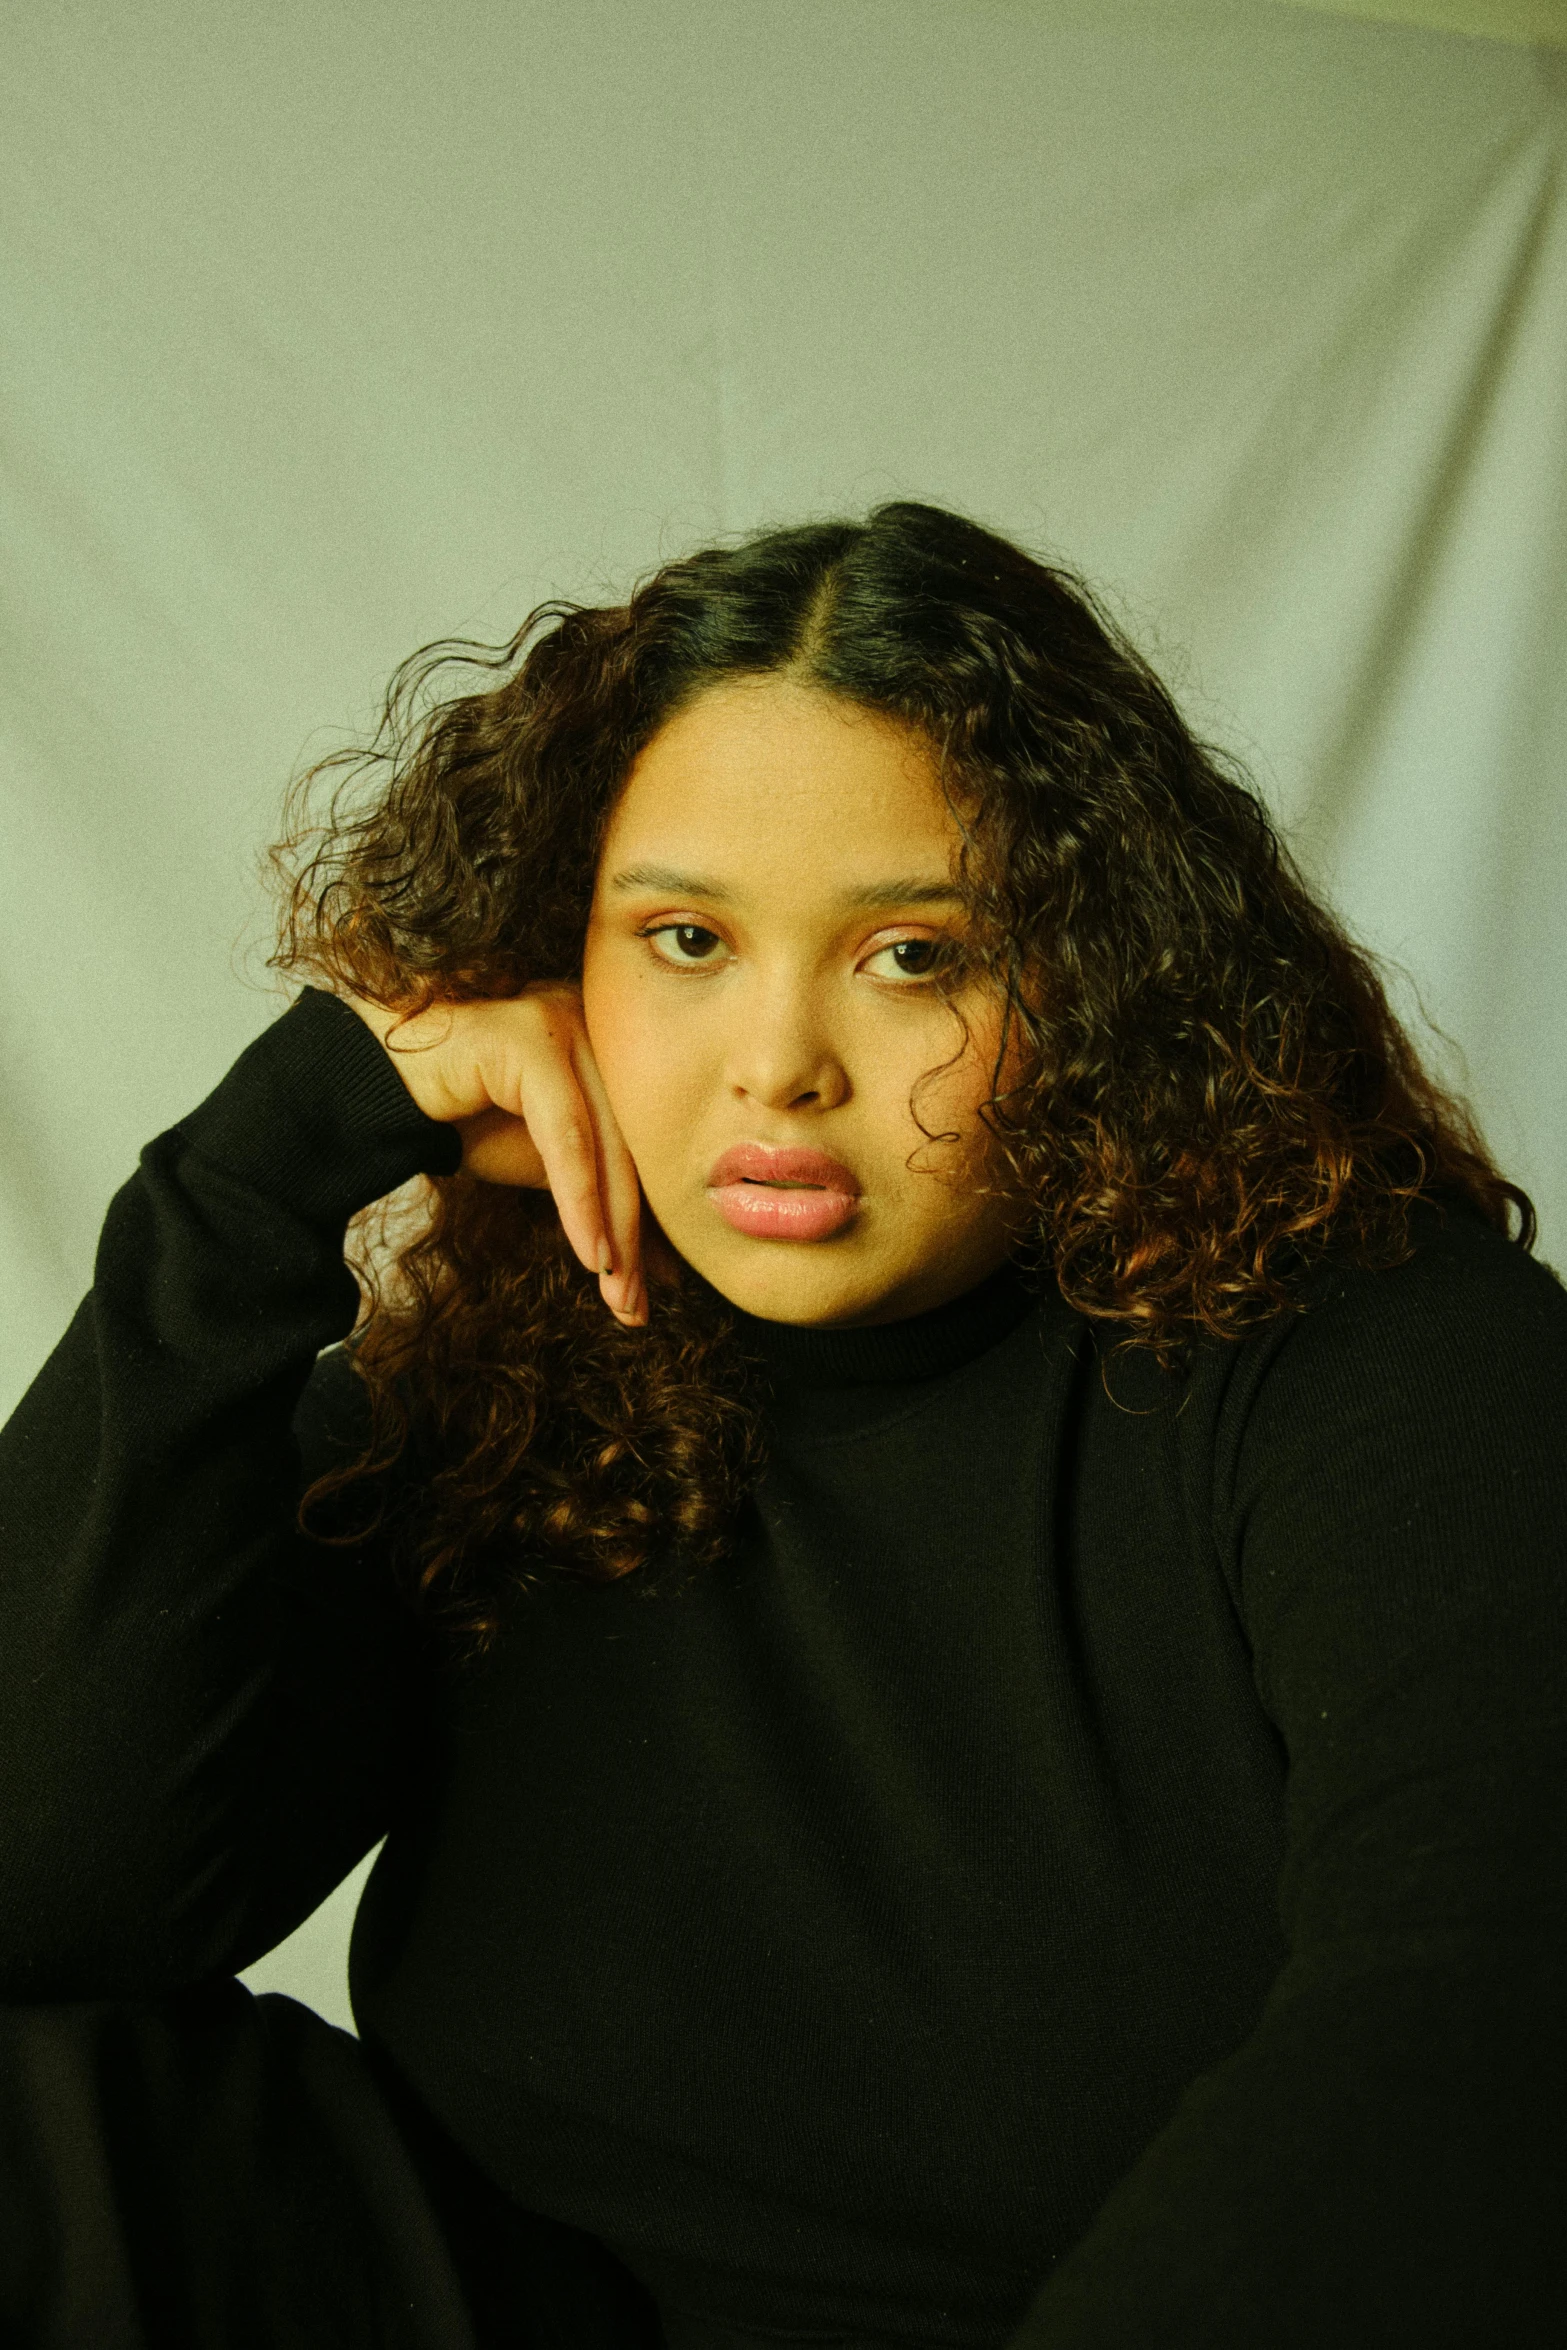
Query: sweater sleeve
pixel 203 1712
pixel 1380 2165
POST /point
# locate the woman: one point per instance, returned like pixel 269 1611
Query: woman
pixel 938 1552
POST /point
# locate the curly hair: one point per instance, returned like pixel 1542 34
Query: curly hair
pixel 1213 1089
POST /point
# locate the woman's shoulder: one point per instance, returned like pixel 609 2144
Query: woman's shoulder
pixel 1455 1357
pixel 1465 1291
pixel 1465 1307
pixel 1384 1478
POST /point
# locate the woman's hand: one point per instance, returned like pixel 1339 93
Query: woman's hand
pixel 516 1076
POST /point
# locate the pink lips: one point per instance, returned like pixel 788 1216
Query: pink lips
pixel 742 1187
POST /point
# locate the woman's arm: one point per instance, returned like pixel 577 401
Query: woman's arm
pixel 1379 2165
pixel 204 1717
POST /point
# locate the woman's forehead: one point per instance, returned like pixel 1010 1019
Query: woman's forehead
pixel 771 757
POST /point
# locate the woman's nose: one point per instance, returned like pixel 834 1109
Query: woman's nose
pixel 782 1057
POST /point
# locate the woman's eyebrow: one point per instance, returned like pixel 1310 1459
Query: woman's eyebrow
pixel 914 890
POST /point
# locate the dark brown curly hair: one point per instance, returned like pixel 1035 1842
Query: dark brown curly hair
pixel 1214 1089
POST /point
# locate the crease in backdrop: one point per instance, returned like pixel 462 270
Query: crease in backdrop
pixel 330 331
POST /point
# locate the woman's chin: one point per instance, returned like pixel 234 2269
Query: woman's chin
pixel 808 1284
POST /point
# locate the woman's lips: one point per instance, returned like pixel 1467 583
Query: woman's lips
pixel 782 1193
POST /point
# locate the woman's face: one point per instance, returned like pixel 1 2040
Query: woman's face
pixel 774 886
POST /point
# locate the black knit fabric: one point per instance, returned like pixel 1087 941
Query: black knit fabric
pixel 1087 1872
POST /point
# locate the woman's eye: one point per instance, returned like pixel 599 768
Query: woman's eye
pixel 913 958
pixel 688 942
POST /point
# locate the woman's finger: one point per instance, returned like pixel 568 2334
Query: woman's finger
pixel 497 1147
pixel 561 1126
pixel 619 1188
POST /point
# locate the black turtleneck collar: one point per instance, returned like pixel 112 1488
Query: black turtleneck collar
pixel 888 1354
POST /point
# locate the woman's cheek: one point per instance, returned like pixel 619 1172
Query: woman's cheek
pixel 646 1066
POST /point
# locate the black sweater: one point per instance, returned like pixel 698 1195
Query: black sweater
pixel 1087 1871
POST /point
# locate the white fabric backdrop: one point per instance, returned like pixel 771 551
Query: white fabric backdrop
pixel 333 329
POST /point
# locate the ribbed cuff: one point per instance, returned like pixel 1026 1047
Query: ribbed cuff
pixel 314 1114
